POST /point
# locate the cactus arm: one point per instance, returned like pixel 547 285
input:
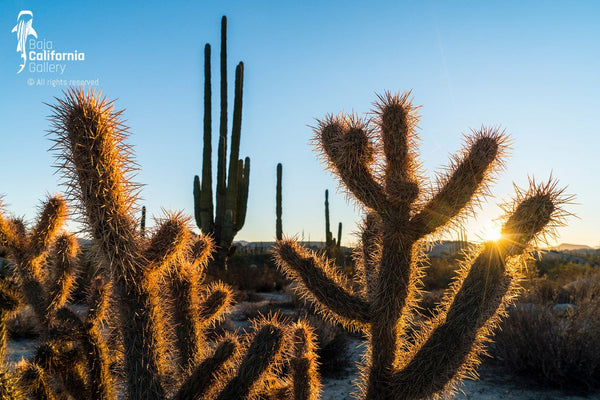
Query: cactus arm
pixel 97 353
pixel 9 301
pixel 328 235
pixel 171 238
pixel 350 153
pixel 184 287
pixel 67 364
pixel 9 235
pixel 264 352
pixel 233 181
pixel 35 380
pixel 194 316
pixel 143 222
pixel 339 236
pixel 205 375
pixel 216 302
pixel 221 210
pixel 368 256
pixel 467 178
pixel 197 196
pixel 278 208
pixel 397 122
pixel 242 202
pixel 305 376
pixel 203 198
pixel 326 284
pixel 52 217
pixel 65 267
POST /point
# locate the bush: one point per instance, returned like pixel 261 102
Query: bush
pixel 250 272
pixel 439 273
pixel 555 345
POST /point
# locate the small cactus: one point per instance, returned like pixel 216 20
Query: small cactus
pixel 332 246
pixel 278 208
pixel 143 222
pixel 408 359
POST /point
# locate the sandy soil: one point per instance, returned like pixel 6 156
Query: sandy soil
pixel 491 386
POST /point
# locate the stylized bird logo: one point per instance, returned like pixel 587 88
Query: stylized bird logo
pixel 24 28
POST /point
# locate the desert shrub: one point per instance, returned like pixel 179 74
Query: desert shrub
pixel 554 345
pixel 332 347
pixel 250 272
pixel 439 273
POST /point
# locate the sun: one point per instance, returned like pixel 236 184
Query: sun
pixel 491 233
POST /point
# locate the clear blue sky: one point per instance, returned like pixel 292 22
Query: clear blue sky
pixel 531 66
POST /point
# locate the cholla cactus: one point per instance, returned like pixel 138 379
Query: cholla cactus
pixel 44 261
pixel 96 162
pixel 410 358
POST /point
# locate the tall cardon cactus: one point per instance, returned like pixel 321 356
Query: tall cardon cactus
pixel 278 206
pixel 332 247
pixel 410 357
pixel 232 185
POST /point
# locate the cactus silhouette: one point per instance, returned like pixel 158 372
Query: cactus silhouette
pixel 332 247
pixel 95 160
pixel 143 222
pixel 232 185
pixel 278 208
pixel 376 161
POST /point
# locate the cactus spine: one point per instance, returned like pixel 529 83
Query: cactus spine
pixel 400 215
pixel 278 208
pixel 232 185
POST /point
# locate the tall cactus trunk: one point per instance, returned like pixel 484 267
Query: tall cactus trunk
pixel 278 208
pixel 143 222
pixel 328 236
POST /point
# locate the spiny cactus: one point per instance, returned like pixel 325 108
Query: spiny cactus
pixel 45 265
pixel 232 186
pixel 143 222
pixel 278 208
pixel 408 357
pixel 332 246
pixel 305 378
pixel 96 163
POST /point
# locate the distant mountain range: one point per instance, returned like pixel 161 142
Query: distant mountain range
pixel 570 246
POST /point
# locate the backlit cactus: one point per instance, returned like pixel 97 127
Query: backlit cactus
pixel 232 186
pixel 96 164
pixel 408 357
pixel 72 349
